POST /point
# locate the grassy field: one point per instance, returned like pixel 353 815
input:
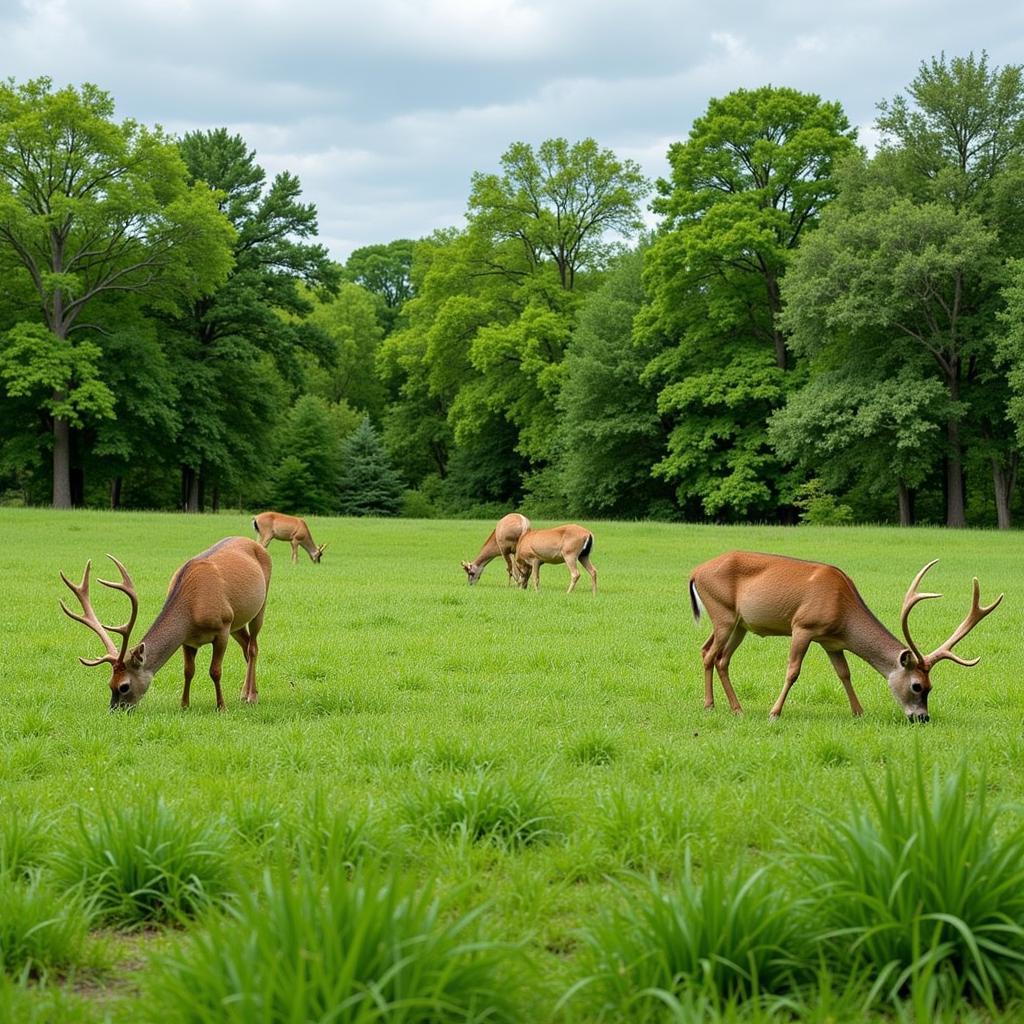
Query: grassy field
pixel 536 759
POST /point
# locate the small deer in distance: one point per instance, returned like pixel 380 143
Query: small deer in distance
pixel 276 526
pixel 502 541
pixel 772 595
pixel 569 544
pixel 218 594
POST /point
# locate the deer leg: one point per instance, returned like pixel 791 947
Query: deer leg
pixel 797 650
pixel 189 654
pixel 295 552
pixel 535 568
pixel 716 653
pixel 838 660
pixel 508 566
pixel 709 672
pixel 574 573
pixel 722 664
pixel 247 638
pixel 586 563
pixel 220 645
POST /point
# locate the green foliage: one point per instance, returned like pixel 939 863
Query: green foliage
pixel 145 863
pixel 308 448
pixel 819 508
pixel 922 887
pixel 311 945
pixel 368 485
pixel 560 203
pixel 610 433
pixel 386 272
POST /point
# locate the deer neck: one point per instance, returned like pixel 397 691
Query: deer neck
pixel 307 543
pixel 488 552
pixel 168 632
pixel 870 640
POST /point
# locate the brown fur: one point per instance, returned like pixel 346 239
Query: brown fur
pixel 569 544
pixel 277 526
pixel 501 541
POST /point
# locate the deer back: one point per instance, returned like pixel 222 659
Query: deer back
pixel 226 583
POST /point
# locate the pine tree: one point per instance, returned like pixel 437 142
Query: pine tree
pixel 369 485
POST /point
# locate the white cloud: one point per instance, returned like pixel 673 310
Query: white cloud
pixel 385 109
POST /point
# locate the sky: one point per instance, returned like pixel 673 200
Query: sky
pixel 385 108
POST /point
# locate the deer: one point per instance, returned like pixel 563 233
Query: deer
pixel 277 526
pixel 218 594
pixel 569 544
pixel 502 541
pixel 773 595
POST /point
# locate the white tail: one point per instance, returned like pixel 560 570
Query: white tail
pixel 221 593
pixel 502 541
pixel 771 595
pixel 277 526
pixel 569 544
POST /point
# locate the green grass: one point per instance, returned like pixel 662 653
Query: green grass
pixel 390 691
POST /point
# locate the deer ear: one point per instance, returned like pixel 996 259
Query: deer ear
pixel 907 659
pixel 137 656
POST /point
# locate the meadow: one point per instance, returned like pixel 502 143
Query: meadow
pixel 523 776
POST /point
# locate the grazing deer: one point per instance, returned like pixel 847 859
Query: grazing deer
pixel 220 593
pixel 569 544
pixel 502 541
pixel 771 595
pixel 275 526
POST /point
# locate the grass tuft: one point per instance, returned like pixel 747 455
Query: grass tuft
pixel 508 812
pixel 723 938
pixel 41 931
pixel 25 840
pixel 146 864
pixel 593 749
pixel 924 889
pixel 312 945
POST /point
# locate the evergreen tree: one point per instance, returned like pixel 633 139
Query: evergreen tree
pixel 369 485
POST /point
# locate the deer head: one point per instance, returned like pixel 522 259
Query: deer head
pixel 318 554
pixel 909 681
pixel 472 571
pixel 129 679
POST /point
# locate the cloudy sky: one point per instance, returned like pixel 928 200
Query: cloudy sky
pixel 384 108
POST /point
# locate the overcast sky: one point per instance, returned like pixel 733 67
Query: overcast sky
pixel 384 108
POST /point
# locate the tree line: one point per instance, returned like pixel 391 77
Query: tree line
pixel 811 332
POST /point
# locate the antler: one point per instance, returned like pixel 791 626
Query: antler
pixel 911 598
pixel 974 616
pixel 90 619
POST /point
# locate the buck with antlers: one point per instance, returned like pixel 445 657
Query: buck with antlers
pixel 502 541
pixel 276 526
pixel 569 544
pixel 771 595
pixel 221 593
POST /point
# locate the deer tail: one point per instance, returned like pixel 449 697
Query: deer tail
pixel 695 602
pixel 254 526
pixel 588 546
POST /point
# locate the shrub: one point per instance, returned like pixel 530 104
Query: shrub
pixel 146 864
pixel 318 946
pixel 924 892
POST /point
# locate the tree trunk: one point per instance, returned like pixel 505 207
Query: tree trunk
pixel 77 487
pixel 61 461
pixel 189 489
pixel 1005 479
pixel 215 498
pixel 201 495
pixel 115 491
pixel 906 499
